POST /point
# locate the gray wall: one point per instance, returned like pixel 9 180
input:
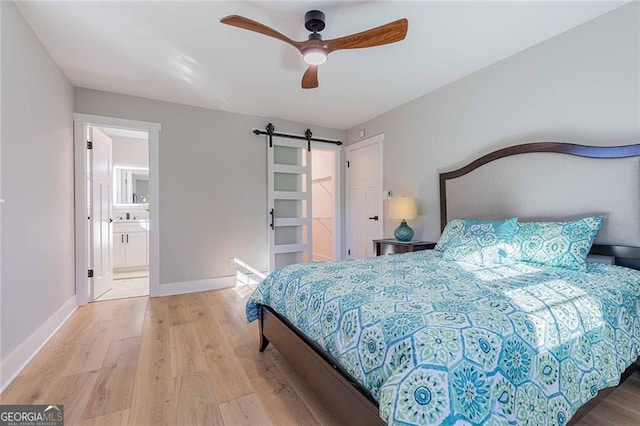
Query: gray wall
pixel 213 200
pixel 132 152
pixel 581 86
pixel 37 275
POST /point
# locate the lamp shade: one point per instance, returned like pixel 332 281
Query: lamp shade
pixel 403 208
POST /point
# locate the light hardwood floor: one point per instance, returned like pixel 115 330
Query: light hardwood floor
pixel 187 360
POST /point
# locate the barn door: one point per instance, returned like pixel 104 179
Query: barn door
pixel 289 202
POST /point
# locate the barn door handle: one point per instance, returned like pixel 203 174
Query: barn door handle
pixel 271 225
pixel 374 217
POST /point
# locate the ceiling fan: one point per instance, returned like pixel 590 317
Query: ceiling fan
pixel 315 50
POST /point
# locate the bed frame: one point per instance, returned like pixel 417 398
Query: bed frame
pixel 347 400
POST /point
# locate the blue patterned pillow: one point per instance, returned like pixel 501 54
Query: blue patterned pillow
pixel 563 244
pixel 490 231
pixel 451 234
pixel 483 242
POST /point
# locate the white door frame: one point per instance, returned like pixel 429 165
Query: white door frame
pixel 80 123
pixel 337 197
pixel 379 140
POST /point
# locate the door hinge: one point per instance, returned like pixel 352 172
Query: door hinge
pixel 349 252
pixel 89 145
pixel 348 164
pixel 90 274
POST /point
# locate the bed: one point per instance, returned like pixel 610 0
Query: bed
pixel 421 339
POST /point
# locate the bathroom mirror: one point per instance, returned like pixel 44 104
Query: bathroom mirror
pixel 130 185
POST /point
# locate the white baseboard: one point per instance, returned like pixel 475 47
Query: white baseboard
pixel 169 289
pixel 20 357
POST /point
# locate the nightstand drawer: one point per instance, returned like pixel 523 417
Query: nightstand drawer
pixel 384 247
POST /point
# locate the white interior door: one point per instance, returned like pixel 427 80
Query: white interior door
pixel 100 205
pixel 289 202
pixel 364 194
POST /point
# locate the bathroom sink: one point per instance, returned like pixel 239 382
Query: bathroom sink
pixel 131 225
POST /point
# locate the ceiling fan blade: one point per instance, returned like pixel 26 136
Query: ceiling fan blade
pixel 385 34
pixel 310 77
pixel 248 24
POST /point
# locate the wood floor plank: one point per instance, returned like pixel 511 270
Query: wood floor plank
pixel 234 326
pixel 74 330
pixel 245 290
pixel 73 392
pixel 119 418
pixel 42 373
pixel 233 299
pixel 178 310
pixel 93 348
pixel 131 321
pixel 230 380
pixel 244 411
pixel 113 309
pixel 153 390
pixel 199 307
pixel 114 386
pixel 195 400
pixel 186 350
pixel 282 403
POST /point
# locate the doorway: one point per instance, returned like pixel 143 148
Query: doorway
pixel 365 219
pixel 116 179
pixel 323 195
pixel 129 213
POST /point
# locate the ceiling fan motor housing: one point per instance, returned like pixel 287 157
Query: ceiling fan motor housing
pixel 314 21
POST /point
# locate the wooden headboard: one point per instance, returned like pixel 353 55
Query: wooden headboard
pixel 554 181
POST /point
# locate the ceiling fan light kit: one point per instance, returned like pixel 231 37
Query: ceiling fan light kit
pixel 315 50
pixel 314 56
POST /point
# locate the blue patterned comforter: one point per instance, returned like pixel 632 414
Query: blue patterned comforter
pixel 442 342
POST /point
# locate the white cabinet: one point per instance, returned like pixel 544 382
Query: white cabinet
pixel 130 244
pixel 119 249
pixel 136 253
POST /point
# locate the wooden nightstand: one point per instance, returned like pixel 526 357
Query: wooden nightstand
pixel 383 247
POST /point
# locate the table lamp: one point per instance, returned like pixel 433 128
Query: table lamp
pixel 403 208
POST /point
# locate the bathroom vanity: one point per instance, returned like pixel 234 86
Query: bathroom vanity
pixel 130 244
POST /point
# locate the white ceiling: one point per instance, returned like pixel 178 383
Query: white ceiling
pixel 180 52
